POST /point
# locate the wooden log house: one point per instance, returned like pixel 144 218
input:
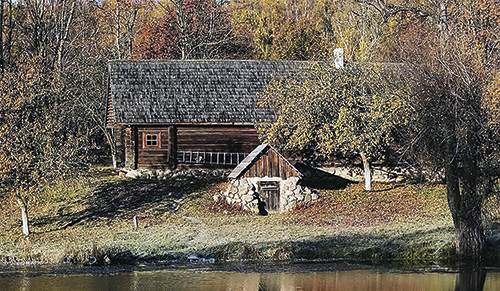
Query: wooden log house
pixel 196 112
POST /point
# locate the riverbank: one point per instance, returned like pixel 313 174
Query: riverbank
pixel 93 217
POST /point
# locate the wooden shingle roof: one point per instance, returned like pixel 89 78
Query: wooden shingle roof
pixel 194 91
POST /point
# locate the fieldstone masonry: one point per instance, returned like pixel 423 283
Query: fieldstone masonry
pixel 241 191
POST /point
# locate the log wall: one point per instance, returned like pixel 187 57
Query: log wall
pixel 118 133
pixel 130 147
pixel 154 156
pixel 228 139
pixel 196 138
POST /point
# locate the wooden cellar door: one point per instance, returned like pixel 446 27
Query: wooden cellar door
pixel 270 193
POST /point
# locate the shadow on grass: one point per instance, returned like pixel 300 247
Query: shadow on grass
pixel 319 179
pixel 392 187
pixel 120 198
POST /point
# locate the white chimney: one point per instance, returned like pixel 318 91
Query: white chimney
pixel 338 58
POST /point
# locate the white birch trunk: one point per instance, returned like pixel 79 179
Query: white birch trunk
pixel 368 173
pixel 24 217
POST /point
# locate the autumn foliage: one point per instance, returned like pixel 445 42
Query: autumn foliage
pixel 387 204
pixel 188 29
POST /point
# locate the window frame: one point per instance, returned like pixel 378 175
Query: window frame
pixel 145 136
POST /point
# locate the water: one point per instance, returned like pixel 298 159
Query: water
pixel 220 278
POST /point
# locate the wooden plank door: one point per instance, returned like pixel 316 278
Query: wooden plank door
pixel 270 193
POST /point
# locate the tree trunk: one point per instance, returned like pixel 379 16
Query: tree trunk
pixel 472 238
pixel 8 45
pixel 465 205
pixel 130 31
pixel 368 173
pixel 113 158
pixel 443 18
pixel 63 37
pixel 181 25
pixel 1 39
pixel 117 31
pixel 111 139
pixel 24 216
pixel 470 280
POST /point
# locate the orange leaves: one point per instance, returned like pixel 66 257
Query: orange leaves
pixel 158 40
pixel 195 29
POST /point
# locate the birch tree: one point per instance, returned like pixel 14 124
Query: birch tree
pixel 36 146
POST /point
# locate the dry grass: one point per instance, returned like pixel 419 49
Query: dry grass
pixel 385 205
pixel 178 217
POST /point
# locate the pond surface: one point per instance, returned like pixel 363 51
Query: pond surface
pixel 325 277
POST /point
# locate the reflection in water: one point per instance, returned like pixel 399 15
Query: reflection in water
pixel 135 282
pixel 470 280
pixel 25 284
pixel 219 280
pixel 356 280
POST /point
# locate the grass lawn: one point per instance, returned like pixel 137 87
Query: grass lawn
pixel 93 216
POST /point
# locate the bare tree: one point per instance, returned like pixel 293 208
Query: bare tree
pixel 454 67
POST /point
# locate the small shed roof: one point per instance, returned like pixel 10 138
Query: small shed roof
pixel 254 156
pixel 193 91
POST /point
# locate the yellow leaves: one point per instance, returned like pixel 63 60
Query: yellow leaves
pixel 347 110
pixel 286 29
pixel 491 99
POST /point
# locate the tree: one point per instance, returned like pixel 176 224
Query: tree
pixel 454 67
pixel 6 30
pixel 36 148
pixel 2 7
pixel 46 132
pixel 347 111
pixel 312 29
pixel 281 29
pixel 122 19
pixel 188 29
pixel 451 63
pixel 356 26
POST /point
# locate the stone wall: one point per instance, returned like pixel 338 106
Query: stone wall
pixel 241 192
pixel 165 174
pixel 385 174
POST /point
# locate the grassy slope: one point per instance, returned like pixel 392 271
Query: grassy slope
pixel 178 217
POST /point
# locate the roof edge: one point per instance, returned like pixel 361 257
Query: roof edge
pixel 247 163
pixel 187 123
pixel 206 61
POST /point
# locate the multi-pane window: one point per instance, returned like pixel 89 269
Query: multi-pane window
pixel 151 140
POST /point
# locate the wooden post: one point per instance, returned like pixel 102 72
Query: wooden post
pixel 131 151
pixel 135 222
pixel 120 144
pixel 172 146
